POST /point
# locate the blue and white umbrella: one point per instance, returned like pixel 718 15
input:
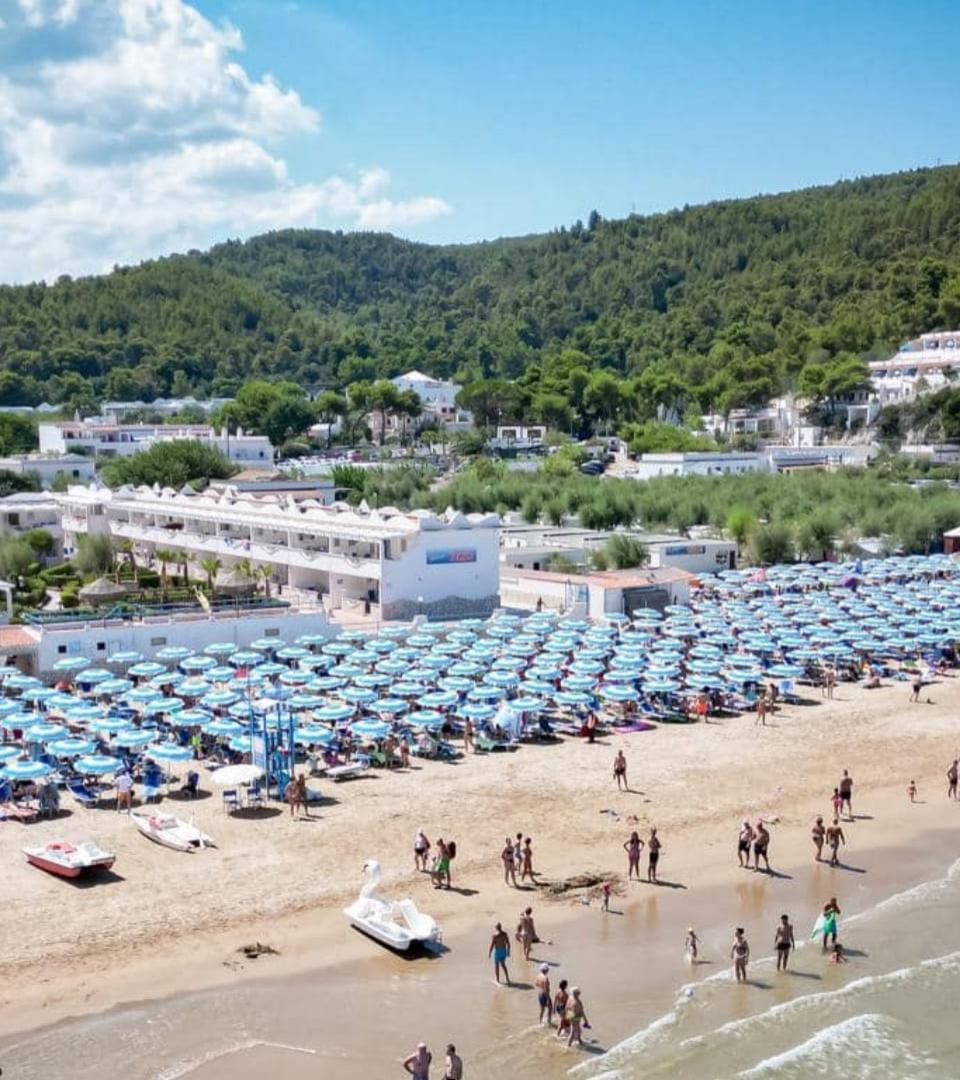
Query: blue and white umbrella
pixel 97 765
pixel 110 725
pixel 661 686
pixel 269 668
pixel 220 648
pixel 114 687
pixel 425 718
pixel 502 678
pixel 373 681
pixel 39 693
pixel 312 735
pixel 169 752
pixel 24 682
pixel 245 658
pixel 477 710
pixel 370 729
pixel 125 657
pixel 575 698
pixel 305 701
pixel 292 652
pixel 10 753
pixel 220 674
pixel 487 692
pixel 339 648
pixel 25 770
pixel 408 689
pixel 356 695
pixel 190 718
pixel 80 714
pixel 785 671
pixel 71 747
pixel 41 733
pixel 161 705
pixel 133 738
pixel 218 699
pixel 390 706
pixel 71 663
pixel 267 644
pixel 197 663
pixel 334 712
pixel 527 705
pixel 619 692
pixel 456 683
pixel 173 653
pixel 439 699
pixel 194 687
pixel 311 639
pixel 223 728
pixel 324 684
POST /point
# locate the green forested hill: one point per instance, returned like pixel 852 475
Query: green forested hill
pixel 718 305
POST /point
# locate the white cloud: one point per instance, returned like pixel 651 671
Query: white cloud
pixel 141 134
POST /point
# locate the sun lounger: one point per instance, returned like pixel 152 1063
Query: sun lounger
pixel 484 745
pixel 350 771
pixel 79 790
pixel 11 811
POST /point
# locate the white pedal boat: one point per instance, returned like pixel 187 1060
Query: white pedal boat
pixel 70 860
pixel 398 924
pixel 172 832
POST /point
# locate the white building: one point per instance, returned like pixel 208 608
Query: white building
pixel 108 439
pixel 47 467
pixel 117 410
pixel 439 397
pixel 923 365
pixel 697 463
pixel 28 510
pixel 596 594
pixel 385 562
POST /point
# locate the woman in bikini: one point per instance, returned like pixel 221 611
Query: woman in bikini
pixel 633 847
pixel 744 840
pixel 818 834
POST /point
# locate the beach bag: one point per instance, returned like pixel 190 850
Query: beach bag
pixel 452 850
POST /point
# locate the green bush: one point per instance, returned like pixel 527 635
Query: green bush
pixel 149 579
pixel 69 596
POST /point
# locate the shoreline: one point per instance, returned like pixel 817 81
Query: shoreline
pixel 861 731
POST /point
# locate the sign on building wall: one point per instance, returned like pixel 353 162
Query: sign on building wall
pixel 686 549
pixel 445 556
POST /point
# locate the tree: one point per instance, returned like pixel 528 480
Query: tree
pixel 16 558
pixel 491 401
pixel 128 551
pixel 603 398
pixel 625 552
pixel 286 417
pixel 772 543
pixel 330 406
pixel 95 555
pixel 41 542
pixel 265 573
pixel 169 464
pixel 740 524
pixel 553 410
pixel 164 556
pixel 210 566
pixel 384 399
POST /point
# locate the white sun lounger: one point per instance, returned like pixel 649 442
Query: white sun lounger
pixel 346 772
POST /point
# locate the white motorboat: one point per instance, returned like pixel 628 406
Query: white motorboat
pixel 172 832
pixel 70 860
pixel 398 924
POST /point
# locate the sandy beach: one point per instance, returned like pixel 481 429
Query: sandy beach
pixel 169 924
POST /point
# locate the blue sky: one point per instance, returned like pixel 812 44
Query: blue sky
pixel 132 128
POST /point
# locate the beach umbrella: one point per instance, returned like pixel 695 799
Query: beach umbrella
pixel 379 645
pixel 433 662
pixel 421 641
pixel 146 670
pixel 92 676
pixel 133 738
pixel 477 710
pixel 311 639
pixel 661 686
pixel 618 692
pixel 161 682
pixel 71 663
pixel 241 744
pixel 9 707
pixel 25 682
pixel 487 693
pixel 292 652
pixel 455 683
pixel 169 752
pixel 71 747
pixel 618 675
pixel 314 663
pixel 439 699
pixel 325 683
pixel 197 663
pixel 391 706
pixel 527 704
pixel 509 663
pixel 124 657
pixel 373 681
pixel 579 682
pixel 231 775
pixel 109 725
pixel 364 656
pixel 9 753
pixel 269 669
pixel 80 713
pixel 502 678
pixel 97 765
pixel 38 693
pixel 574 698
pixel 392 666
pixel 245 658
pixel 44 732
pixel 218 699
pixel 159 705
pixel 293 679
pixel 334 712
pixel 222 728
pixel 425 718
pixel 173 653
pixel 190 718
pixel 347 670
pixel 408 689
pixel 311 735
pixel 587 667
pixel 785 671
pixel 339 648
pixel 267 644
pixel 536 688
pixel 220 674
pixel 114 687
pixel 194 687
pixel 25 770
pixel 220 648
pixel 353 635
pixel 306 701
pixel 370 729
pixel 466 669
pixel 357 695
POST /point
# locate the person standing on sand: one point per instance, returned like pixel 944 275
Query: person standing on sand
pixel 620 771
pixel 818 832
pixel 761 843
pixel 653 856
pixel 527 861
pixel 744 840
pixel 291 795
pixel 740 954
pixel 912 790
pixel 691 946
pixel 591 726
pixel 500 950
pixel 518 852
pixel 761 711
pixel 578 1018
pixel 952 780
pixel 526 933
pixel 633 847
pixel 835 838
pixel 836 801
pixel 453 1066
pixel 543 994
pixel 846 793
pixel 421 850
pixel 509 863
pixel 916 686
pixel 418 1063
pixel 783 942
pixel 467 734
pixel 302 795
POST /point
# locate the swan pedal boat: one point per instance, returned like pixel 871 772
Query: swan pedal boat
pixel 398 924
pixel 172 832
pixel 70 860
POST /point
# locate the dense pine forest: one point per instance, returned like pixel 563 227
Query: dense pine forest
pixel 703 307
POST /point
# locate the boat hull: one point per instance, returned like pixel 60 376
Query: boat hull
pixel 68 870
pixel 173 838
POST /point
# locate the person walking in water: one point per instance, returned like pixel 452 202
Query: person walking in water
pixel 846 794
pixel 744 840
pixel 418 1063
pixel 543 994
pixel 578 1017
pixel 828 922
pixel 633 847
pixel 500 950
pixel 620 771
pixel 835 838
pixel 761 842
pixel 783 942
pixel 818 833
pixel 740 954
pixel 653 856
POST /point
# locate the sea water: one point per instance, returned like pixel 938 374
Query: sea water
pixel 890 1012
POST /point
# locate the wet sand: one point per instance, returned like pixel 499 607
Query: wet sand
pixel 172 925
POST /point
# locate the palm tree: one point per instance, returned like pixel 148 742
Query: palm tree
pixel 265 572
pixel 210 567
pixel 126 549
pixel 164 557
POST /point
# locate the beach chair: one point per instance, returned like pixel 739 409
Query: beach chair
pixel 191 786
pixel 255 795
pixel 49 800
pixel 231 800
pixel 152 782
pixel 79 790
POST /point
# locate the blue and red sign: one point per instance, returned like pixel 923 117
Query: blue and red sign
pixel 446 556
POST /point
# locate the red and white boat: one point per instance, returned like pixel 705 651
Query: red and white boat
pixel 70 860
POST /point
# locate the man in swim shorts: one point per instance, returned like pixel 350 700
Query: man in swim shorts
pixel 952 780
pixel 418 1063
pixel 653 856
pixel 500 950
pixel 453 1066
pixel 846 793
pixel 835 838
pixel 543 994
pixel 744 840
pixel 761 843
pixel 783 942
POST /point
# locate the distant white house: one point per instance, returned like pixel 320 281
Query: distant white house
pixel 438 396
pixel 117 410
pixel 77 468
pixel 106 438
pixel 923 365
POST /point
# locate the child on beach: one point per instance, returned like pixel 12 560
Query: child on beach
pixel 605 890
pixel 691 946
pixel 837 957
pixel 912 791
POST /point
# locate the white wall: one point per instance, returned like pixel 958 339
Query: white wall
pixel 695 556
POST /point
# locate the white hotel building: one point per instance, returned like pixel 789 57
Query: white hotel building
pixel 925 364
pixel 107 438
pixel 392 563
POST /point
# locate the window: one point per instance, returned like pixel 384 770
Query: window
pixel 61 649
pixel 13 519
pixel 101 645
pixel 158 641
